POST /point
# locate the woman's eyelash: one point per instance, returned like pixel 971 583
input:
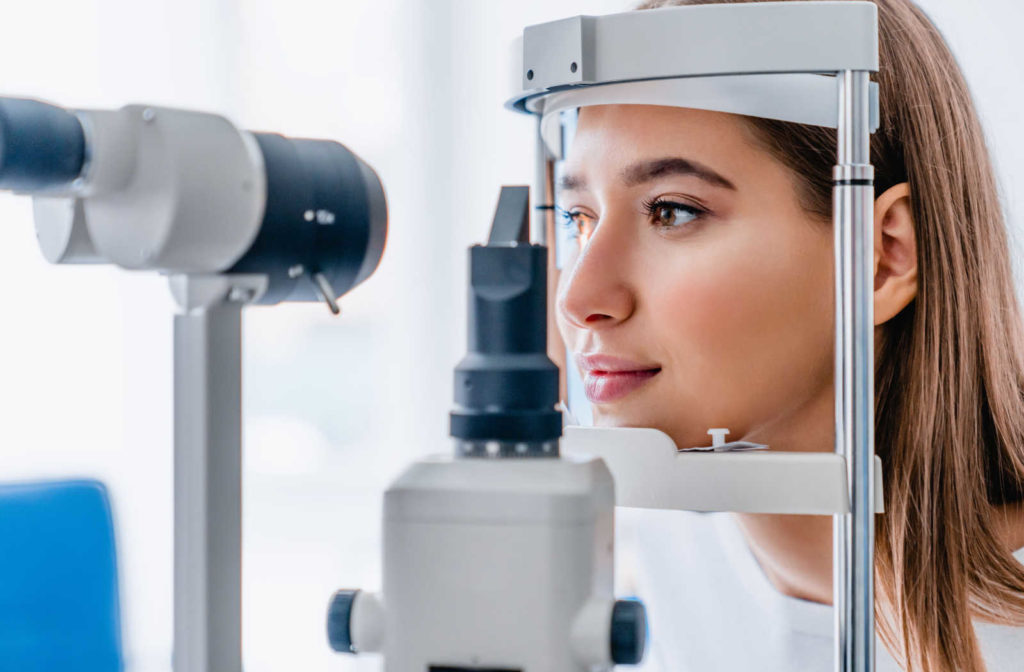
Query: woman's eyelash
pixel 571 219
pixel 657 206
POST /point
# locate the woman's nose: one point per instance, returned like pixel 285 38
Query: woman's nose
pixel 597 293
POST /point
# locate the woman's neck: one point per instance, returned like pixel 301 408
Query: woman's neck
pixel 795 551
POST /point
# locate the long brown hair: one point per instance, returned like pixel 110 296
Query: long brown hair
pixel 950 367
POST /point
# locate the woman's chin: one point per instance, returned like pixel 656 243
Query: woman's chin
pixel 613 419
pixel 614 422
pixel 680 435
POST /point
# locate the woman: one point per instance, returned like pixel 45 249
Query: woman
pixel 700 294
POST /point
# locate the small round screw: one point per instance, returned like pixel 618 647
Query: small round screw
pixel 241 295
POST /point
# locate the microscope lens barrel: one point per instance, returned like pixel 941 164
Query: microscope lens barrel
pixel 325 213
pixel 506 387
pixel 41 146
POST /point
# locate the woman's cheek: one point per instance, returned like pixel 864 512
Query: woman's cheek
pixel 573 336
pixel 700 316
pixel 567 330
pixel 740 331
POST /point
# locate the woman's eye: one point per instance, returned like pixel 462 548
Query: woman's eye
pixel 663 214
pixel 668 214
pixel 578 224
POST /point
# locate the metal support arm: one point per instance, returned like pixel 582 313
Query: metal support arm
pixel 208 471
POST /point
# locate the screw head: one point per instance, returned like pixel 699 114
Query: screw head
pixel 241 295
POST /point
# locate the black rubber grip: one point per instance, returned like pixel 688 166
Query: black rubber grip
pixel 41 146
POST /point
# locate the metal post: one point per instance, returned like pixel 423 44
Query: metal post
pixel 208 487
pixel 853 533
pixel 543 194
pixel 542 232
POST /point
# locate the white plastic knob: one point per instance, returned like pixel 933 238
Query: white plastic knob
pixel 368 623
pixel 718 435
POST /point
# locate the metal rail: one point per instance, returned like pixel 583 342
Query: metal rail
pixel 853 533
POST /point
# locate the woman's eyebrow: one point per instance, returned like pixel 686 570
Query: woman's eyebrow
pixel 570 182
pixel 645 171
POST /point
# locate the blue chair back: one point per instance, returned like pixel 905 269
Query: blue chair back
pixel 59 606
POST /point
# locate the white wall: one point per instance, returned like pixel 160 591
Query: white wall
pixel 334 407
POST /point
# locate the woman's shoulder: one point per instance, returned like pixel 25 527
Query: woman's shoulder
pixel 1002 646
pixel 1009 524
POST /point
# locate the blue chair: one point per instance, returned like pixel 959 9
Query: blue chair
pixel 59 606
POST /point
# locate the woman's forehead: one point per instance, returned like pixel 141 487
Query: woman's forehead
pixel 610 138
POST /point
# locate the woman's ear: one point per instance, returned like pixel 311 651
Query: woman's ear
pixel 895 253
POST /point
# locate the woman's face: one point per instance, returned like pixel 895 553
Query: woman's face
pixel 698 292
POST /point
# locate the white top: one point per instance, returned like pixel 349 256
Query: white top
pixel 711 607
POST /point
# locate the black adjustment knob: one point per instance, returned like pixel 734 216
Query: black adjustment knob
pixel 628 632
pixel 339 621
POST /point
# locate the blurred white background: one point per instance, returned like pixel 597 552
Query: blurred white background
pixel 334 407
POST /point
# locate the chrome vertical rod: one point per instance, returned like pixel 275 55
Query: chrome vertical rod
pixel 543 190
pixel 853 533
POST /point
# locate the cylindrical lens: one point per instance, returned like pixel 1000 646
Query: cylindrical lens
pixel 325 213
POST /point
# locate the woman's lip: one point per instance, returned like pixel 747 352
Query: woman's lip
pixel 607 377
pixel 602 387
pixel 599 362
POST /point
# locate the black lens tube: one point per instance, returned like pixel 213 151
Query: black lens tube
pixel 325 213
